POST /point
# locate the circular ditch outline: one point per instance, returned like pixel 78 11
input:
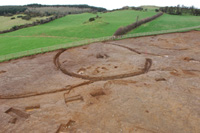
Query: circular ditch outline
pixel 147 66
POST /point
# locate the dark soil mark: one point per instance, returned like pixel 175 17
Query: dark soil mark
pixel 64 61
pixel 70 123
pixel 192 70
pixel 2 72
pixel 85 47
pixel 31 57
pixel 81 70
pixel 188 72
pixel 142 129
pixel 63 128
pixel 102 56
pixel 31 108
pixel 16 114
pixel 191 59
pixel 148 65
pixel 160 79
pixel 175 73
pixel 104 68
pixel 13 120
pixel 96 93
pixel 187 59
pixel 73 98
pixel 19 113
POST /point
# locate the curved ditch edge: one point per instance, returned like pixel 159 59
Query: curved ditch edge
pixel 147 66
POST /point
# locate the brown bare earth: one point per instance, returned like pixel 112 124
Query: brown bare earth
pixel 141 85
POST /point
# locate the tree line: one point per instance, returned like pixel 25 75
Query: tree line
pixel 99 9
pixel 180 10
pixel 11 10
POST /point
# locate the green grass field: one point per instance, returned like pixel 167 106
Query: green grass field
pixel 67 29
pixel 168 22
pixel 76 27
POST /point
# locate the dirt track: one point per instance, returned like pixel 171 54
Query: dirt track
pixel 146 84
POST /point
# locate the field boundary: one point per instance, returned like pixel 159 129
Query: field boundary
pixel 130 27
pixel 88 41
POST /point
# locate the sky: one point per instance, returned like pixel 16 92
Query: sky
pixel 108 4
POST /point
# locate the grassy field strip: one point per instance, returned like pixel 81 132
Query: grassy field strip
pixel 88 41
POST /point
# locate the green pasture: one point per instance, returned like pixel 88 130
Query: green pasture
pixel 68 29
pixel 168 22
pixel 74 28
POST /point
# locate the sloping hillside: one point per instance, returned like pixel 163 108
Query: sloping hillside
pixel 68 29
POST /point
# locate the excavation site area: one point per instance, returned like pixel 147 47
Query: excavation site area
pixel 147 84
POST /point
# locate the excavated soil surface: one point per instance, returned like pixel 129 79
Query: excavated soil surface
pixel 146 84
